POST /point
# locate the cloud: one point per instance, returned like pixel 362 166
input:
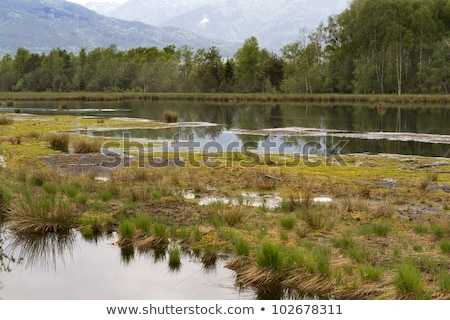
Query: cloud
pixel 204 21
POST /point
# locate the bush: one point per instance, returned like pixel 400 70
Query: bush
pixel 59 141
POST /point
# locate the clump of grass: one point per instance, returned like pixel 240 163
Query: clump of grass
pixel 43 175
pixel 159 230
pixel 270 257
pixel 127 229
pixel 345 242
pixel 4 199
pixel 420 228
pixel 445 245
pixel 318 217
pixel 408 279
pixel 59 141
pixel 170 116
pixel 174 257
pixel 369 272
pixel 63 106
pixel 242 247
pixel 4 121
pixel 37 212
pixel 106 195
pixel 50 188
pixel 209 257
pixel 378 229
pixel 84 145
pixel 82 199
pixel 10 103
pixel 233 216
pixel 144 223
pixel 444 281
pixel 288 223
pixel 17 110
pixel 322 259
pixel 71 191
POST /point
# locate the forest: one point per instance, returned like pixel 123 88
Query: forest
pixel 373 47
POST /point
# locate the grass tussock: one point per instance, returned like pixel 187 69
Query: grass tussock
pixel 84 145
pixel 408 280
pixel 270 257
pixel 174 257
pixel 170 116
pixel 59 141
pixel 4 121
pixel 40 213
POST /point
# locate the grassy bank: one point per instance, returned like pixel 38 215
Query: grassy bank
pixel 232 98
pixel 385 235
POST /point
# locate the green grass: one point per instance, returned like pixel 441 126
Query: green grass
pixel 445 245
pixel 369 272
pixel 377 229
pixel 444 281
pixel 127 229
pixel 345 242
pixel 174 257
pixel 288 223
pixel 242 247
pixel 408 279
pixel 5 121
pixel 106 195
pixel 159 230
pixel 49 188
pixel 144 223
pixel 322 259
pixel 270 257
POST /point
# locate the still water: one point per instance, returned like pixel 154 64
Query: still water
pixel 72 268
pixel 411 130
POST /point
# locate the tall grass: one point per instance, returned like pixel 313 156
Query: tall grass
pixel 270 257
pixel 174 257
pixel 408 279
pixel 59 141
pixel 242 247
pixel 83 145
pixel 4 121
pixel 127 229
pixel 38 212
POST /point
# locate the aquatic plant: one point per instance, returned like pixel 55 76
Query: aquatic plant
pixel 174 257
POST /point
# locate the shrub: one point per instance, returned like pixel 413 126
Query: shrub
pixel 270 257
pixel 170 116
pixel 59 141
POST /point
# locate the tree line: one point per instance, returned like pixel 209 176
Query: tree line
pixel 383 46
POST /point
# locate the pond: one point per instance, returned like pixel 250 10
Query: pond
pixel 70 267
pixel 276 128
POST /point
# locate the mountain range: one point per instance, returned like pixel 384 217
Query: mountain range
pixel 273 22
pixel 43 25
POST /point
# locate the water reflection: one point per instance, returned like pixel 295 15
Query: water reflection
pixel 68 267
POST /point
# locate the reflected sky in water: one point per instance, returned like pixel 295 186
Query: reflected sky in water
pixel 79 269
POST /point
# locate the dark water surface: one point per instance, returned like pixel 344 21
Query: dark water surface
pixel 241 122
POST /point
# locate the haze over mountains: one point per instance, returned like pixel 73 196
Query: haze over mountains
pixel 43 25
pixel 273 22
